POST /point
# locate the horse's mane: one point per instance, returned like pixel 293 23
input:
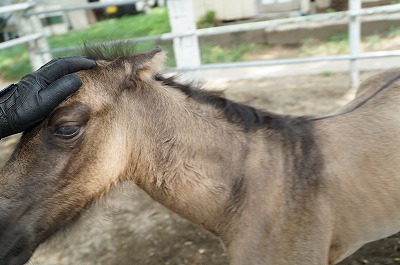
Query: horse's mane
pixel 249 118
pixel 108 51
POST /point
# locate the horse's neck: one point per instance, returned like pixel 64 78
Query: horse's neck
pixel 190 163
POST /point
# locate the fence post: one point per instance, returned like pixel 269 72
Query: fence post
pixel 28 25
pixel 354 41
pixel 41 44
pixel 182 21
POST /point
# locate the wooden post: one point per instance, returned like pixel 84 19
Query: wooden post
pixel 182 21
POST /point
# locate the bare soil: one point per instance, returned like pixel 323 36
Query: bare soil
pixel 127 227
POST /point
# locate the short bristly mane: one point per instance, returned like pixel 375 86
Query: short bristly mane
pixel 109 51
pixel 247 116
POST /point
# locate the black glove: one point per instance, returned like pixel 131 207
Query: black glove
pixel 34 97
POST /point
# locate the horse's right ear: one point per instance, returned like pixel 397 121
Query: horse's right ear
pixel 146 65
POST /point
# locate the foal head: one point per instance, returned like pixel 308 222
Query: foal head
pixel 74 156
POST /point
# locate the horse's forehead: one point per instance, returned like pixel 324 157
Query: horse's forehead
pixel 90 94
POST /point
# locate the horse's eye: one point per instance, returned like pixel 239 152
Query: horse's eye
pixel 67 131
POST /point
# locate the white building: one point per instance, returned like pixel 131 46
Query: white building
pixel 62 21
pixel 241 9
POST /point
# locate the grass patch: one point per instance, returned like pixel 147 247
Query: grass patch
pixel 207 21
pixel 118 28
pixel 327 73
pixel 211 53
pixel 14 62
pixel 336 44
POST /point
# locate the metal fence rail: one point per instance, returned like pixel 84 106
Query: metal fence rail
pixel 340 57
pixel 16 7
pixel 269 24
pixel 353 17
pixel 21 40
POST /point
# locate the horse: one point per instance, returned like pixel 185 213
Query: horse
pixel 275 189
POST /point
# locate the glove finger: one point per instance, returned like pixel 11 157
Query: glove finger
pixel 58 91
pixel 59 67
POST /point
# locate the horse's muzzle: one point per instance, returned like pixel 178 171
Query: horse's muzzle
pixel 14 249
pixel 15 252
pixel 15 239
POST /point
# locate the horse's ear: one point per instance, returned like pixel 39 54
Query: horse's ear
pixel 146 65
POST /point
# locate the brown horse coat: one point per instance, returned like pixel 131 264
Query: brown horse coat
pixel 275 189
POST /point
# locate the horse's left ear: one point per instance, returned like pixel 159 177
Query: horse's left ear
pixel 146 65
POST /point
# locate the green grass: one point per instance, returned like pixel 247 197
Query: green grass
pixel 119 28
pixel 211 53
pixel 14 62
pixel 336 44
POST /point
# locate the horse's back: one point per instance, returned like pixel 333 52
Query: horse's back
pixel 378 82
pixel 378 89
pixel 361 149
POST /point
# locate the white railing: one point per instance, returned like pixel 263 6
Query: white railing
pixel 21 40
pixel 16 7
pixel 30 31
pixel 353 17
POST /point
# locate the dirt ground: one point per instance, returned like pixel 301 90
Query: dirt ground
pixel 127 227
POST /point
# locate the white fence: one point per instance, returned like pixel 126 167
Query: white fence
pixel 31 33
pixel 186 44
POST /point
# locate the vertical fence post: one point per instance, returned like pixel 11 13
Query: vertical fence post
pixel 182 21
pixel 28 25
pixel 354 41
pixel 41 44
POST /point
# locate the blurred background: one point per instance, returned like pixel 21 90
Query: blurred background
pixel 299 57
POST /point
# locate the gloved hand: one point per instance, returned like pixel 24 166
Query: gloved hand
pixel 34 97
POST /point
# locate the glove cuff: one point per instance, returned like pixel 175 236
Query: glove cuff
pixel 5 126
